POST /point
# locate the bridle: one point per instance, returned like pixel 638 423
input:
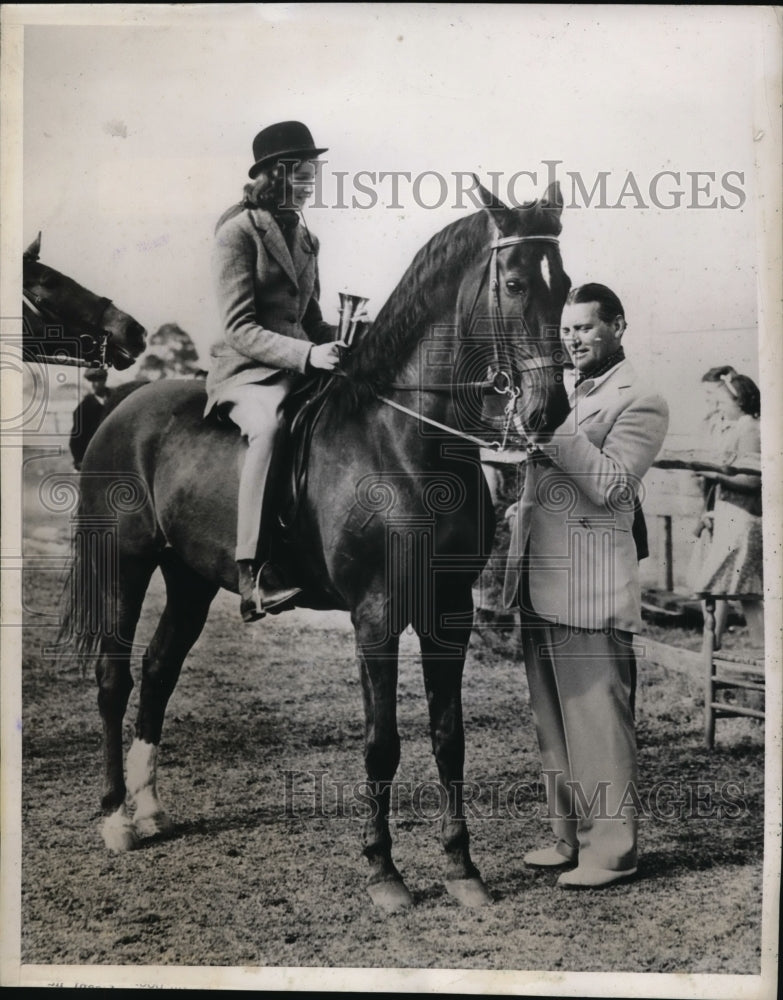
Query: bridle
pixel 502 381
pixel 94 325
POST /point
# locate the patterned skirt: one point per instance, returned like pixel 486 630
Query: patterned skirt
pixel 734 561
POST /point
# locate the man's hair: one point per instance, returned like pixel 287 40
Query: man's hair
pixel 717 374
pixel 609 306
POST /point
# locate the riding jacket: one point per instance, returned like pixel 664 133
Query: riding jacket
pixel 268 301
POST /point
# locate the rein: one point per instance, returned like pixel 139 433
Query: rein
pixel 303 423
pixel 506 386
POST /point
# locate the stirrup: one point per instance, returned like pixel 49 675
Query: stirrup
pixel 250 607
pixel 250 611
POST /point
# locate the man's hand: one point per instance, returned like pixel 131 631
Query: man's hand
pixel 326 356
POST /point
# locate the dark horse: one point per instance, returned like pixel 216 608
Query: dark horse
pixel 394 523
pixel 65 323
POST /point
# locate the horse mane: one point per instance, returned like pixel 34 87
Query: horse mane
pixel 423 295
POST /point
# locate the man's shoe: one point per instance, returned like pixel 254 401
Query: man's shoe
pixel 273 591
pixel 593 878
pixel 549 857
pixel 248 602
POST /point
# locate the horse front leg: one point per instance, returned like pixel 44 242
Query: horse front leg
pixel 443 650
pixel 377 651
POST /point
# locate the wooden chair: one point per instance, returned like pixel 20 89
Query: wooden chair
pixel 727 669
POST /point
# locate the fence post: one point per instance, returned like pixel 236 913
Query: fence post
pixel 668 554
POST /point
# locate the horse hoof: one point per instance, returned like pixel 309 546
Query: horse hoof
pixel 156 824
pixel 390 895
pixel 469 891
pixel 118 833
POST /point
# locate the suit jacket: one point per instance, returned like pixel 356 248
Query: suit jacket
pixel 575 517
pixel 268 300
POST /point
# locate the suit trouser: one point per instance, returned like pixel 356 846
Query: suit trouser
pixel 254 408
pixel 580 691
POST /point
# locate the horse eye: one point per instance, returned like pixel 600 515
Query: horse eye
pixel 515 287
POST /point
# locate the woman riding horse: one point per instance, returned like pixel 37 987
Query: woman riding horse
pixel 267 284
pixel 393 526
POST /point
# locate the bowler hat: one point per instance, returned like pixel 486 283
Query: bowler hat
pixel 285 139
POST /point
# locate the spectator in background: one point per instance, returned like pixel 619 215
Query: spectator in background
pixel 734 560
pixel 88 414
pixel 714 426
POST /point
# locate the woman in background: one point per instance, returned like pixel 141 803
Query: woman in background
pixel 734 560
pixel 710 449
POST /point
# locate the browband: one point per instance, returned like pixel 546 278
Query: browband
pixel 509 241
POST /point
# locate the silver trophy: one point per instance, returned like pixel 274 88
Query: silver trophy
pixel 350 308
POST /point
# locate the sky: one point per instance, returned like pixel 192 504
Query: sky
pixel 138 135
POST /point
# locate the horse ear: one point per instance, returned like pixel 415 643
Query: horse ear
pixel 553 199
pixel 493 206
pixel 489 200
pixel 34 250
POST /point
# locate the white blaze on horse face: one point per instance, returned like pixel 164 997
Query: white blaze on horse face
pixel 545 273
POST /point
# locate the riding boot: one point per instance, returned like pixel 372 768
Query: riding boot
pixel 273 589
pixel 248 603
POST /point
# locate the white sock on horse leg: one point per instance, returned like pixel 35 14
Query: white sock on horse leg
pixel 141 767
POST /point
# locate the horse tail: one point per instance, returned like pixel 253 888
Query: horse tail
pixel 91 595
pixel 83 619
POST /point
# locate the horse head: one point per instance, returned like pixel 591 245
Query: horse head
pixel 517 307
pixel 65 320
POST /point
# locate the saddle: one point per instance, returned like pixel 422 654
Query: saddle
pixel 288 475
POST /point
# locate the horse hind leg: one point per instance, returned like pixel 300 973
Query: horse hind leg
pixel 114 680
pixel 188 597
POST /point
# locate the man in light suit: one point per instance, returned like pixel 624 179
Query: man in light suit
pixel 573 570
